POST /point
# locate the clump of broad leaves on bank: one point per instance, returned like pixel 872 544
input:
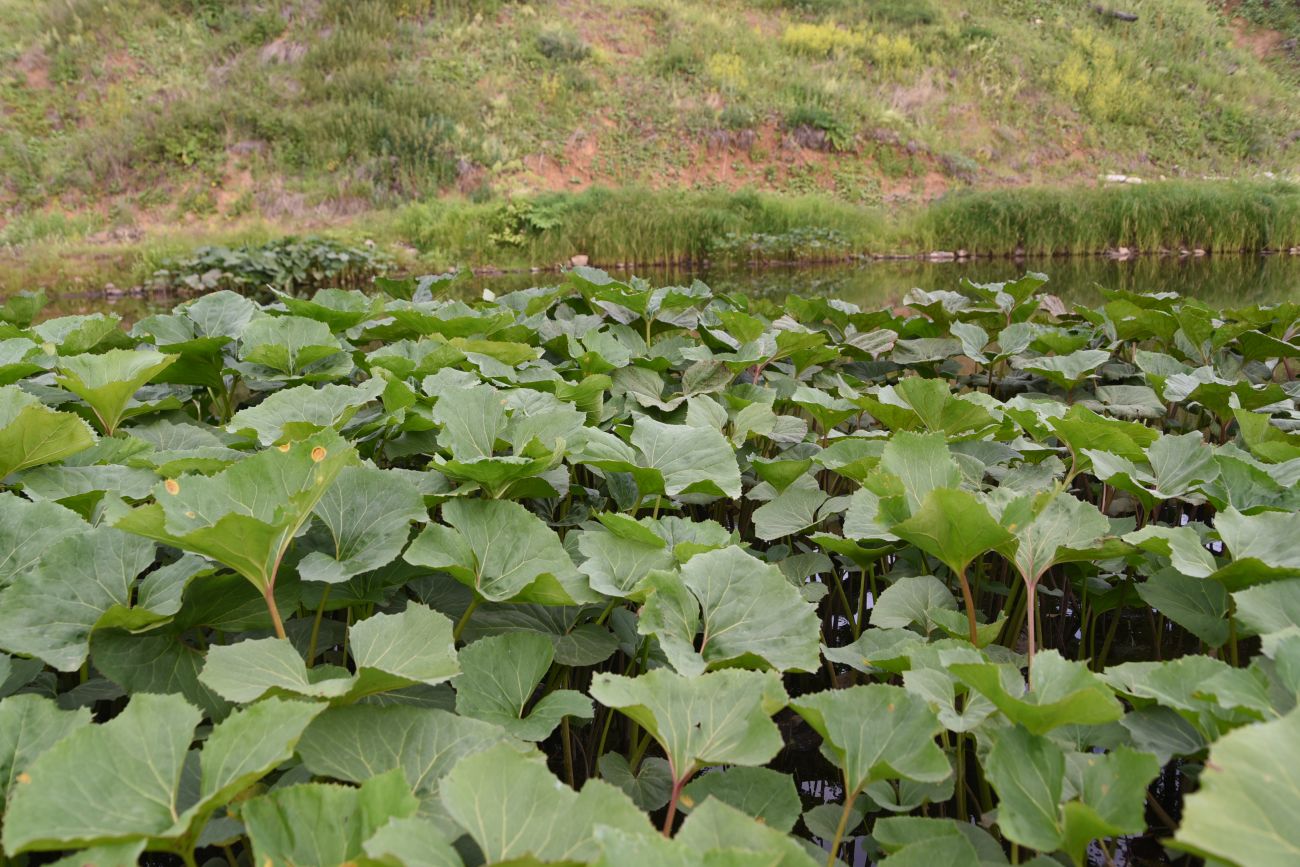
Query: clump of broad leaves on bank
pixel 606 574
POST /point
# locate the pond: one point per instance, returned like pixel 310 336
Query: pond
pixel 1225 280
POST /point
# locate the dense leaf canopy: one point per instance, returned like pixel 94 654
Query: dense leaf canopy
pixel 605 574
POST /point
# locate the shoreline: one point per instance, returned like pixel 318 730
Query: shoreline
pixel 110 292
pixel 633 228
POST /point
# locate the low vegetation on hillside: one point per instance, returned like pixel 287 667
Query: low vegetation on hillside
pixel 127 116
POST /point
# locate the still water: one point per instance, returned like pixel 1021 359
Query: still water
pixel 1221 280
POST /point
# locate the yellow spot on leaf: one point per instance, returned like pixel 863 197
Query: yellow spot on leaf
pixel 318 454
pixel 172 486
pixel 284 447
pixel 688 800
pixel 24 777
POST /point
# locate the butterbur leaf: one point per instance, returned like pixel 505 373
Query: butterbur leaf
pixel 649 788
pixel 922 462
pixel 912 600
pixel 1064 692
pixel 287 344
pixel 108 855
pixel 32 434
pixel 368 514
pixel 1197 605
pixel 1028 773
pixel 691 460
pixel 715 826
pixel 110 783
pixel 1111 798
pixel 503 552
pixel 767 795
pixel 513 807
pixel 748 612
pixel 723 717
pixel 953 525
pixel 801 505
pixel 390 651
pixel 50 612
pixel 1062 524
pixel 107 381
pixel 352 743
pixel 1249 782
pixel 246 516
pixel 472 419
pixel 499 675
pixel 411 842
pixel 876 732
pixel 909 835
pixel 28 529
pixel 618 560
pixel 294 413
pixel 341 818
pixel 30 725
pixel 1066 371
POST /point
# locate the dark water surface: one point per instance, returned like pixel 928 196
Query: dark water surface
pixel 1221 280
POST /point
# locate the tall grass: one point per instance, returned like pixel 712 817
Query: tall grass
pixel 627 225
pixel 1213 216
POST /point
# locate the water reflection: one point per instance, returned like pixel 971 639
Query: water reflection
pixel 1221 280
pixel 1225 280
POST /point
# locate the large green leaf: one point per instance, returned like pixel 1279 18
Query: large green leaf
pixel 732 838
pixel 691 460
pixel 1197 605
pixel 389 651
pixel 767 795
pixel 472 420
pixel 245 517
pixel 498 677
pixel 32 434
pixel 355 742
pixel 294 413
pixel 953 525
pixel 123 781
pixel 747 610
pixel 912 600
pixel 922 463
pixel 876 732
pixel 1244 812
pixel 108 381
pixel 287 344
pixel 367 513
pixel 723 717
pixel 1059 525
pixel 1028 773
pixel 27 530
pixel 502 551
pixel 513 807
pixel 30 725
pixel 50 611
pixel 1063 693
pixel 322 824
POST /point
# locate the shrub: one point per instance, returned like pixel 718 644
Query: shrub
pixel 822 40
pixel 562 46
pixel 297 266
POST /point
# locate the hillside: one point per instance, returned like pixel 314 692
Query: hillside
pixel 133 118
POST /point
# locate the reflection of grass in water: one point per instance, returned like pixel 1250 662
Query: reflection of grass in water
pixel 1225 279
